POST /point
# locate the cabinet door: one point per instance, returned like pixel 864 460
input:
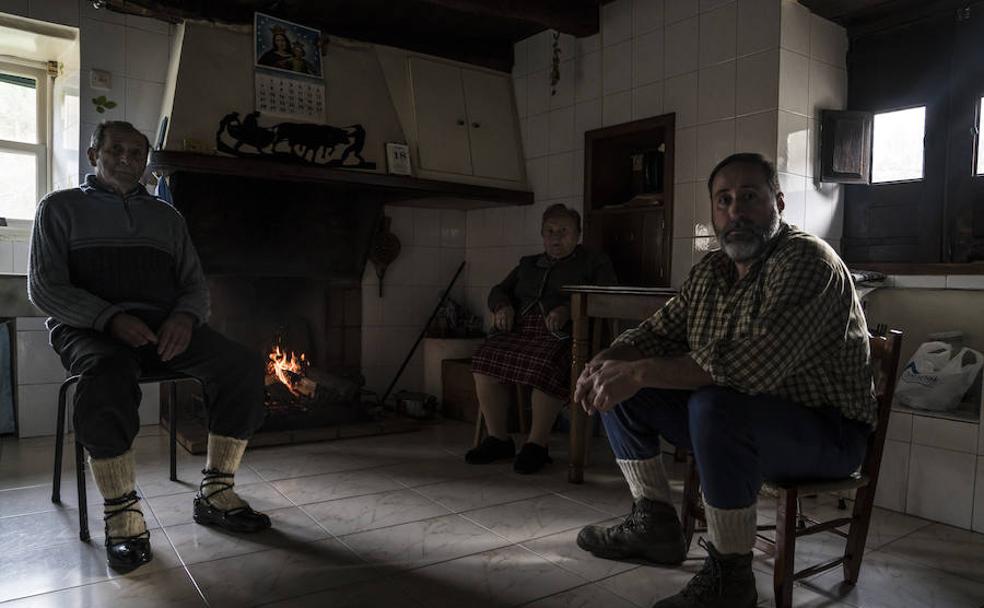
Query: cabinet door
pixel 442 123
pixel 492 125
pixel 634 241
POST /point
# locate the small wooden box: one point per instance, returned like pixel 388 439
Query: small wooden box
pixel 459 401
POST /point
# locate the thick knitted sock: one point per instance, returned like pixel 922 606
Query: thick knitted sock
pixel 224 456
pixel 115 478
pixel 647 479
pixel 732 531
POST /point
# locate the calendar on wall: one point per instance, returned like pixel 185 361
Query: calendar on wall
pixel 298 99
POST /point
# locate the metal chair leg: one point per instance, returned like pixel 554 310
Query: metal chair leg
pixel 173 429
pixel 59 440
pixel 83 503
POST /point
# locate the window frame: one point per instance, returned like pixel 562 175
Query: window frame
pixel 871 167
pixel 42 150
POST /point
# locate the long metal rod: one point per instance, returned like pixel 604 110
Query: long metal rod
pixel 423 332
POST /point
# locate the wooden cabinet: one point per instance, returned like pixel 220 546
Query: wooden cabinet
pixel 628 198
pixel 465 119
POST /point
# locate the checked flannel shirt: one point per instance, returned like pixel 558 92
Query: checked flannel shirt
pixel 792 327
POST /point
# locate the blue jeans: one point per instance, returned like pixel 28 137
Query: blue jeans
pixel 738 440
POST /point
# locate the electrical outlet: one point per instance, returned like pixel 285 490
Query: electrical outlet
pixel 100 79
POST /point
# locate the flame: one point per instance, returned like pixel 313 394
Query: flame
pixel 286 367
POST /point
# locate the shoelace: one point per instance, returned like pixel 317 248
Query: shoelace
pixel 214 477
pixel 708 582
pixel 635 519
pixel 126 501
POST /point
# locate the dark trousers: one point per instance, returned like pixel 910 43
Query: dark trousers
pixel 738 440
pixel 107 394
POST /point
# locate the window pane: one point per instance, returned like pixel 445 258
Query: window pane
pixel 897 151
pixel 18 196
pixel 980 139
pixel 18 109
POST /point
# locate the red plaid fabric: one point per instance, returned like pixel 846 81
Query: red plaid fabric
pixel 529 354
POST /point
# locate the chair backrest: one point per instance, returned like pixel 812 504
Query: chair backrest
pixel 885 354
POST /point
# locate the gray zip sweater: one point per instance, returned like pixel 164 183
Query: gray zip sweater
pixel 95 253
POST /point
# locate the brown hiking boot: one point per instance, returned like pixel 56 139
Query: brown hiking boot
pixel 725 581
pixel 652 532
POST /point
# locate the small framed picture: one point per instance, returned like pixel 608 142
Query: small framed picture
pixel 287 46
pixel 398 159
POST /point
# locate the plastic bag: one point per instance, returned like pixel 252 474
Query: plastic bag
pixel 935 380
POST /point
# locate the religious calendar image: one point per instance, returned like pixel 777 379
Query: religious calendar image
pixel 299 99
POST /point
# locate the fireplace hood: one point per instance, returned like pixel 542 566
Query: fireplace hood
pixel 256 210
pixel 212 75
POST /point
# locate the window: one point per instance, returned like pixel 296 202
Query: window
pixel 980 140
pixel 897 146
pixel 23 140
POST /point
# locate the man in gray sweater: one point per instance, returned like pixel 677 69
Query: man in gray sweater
pixel 116 270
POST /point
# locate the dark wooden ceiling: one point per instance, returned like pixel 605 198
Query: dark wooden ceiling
pixel 865 16
pixel 481 32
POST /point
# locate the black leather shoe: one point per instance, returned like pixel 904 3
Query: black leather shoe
pixel 725 581
pixel 239 519
pixel 125 553
pixel 532 457
pixel 490 450
pixel 652 532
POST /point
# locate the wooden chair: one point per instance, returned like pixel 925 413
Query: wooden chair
pixel 790 522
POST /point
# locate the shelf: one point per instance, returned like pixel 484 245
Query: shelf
pixel 399 190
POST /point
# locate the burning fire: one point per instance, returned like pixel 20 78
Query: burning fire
pixel 288 368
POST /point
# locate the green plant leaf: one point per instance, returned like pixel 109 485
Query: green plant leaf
pixel 110 105
pixel 95 101
pixel 101 99
pixel 100 109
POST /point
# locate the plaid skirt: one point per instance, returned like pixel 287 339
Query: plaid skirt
pixel 529 354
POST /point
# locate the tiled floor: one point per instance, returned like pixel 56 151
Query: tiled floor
pixel 402 521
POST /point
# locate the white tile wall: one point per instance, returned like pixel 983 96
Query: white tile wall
pixel 795 27
pixel 828 87
pixel 683 209
pixel 718 34
pixel 562 130
pixel 647 100
pixel 587 116
pixel 677 10
pixel 716 85
pixel 682 47
pixel 794 82
pixel 647 58
pixel 715 141
pixel 647 15
pixel 900 427
pixel 587 77
pixel 539 51
pixel 686 155
pixel 758 25
pixel 941 485
pixel 562 95
pixel 616 64
pixel 893 477
pixel 537 135
pixel 37 407
pixel 616 22
pixel 757 86
pixel 538 92
pixel 794 191
pixel 942 433
pixel 6 256
pixel 680 96
pixel 828 41
pixel 757 133
pixel 617 108
pixel 37 362
pixel 792 143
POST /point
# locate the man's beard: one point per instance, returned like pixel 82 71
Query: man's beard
pixel 753 241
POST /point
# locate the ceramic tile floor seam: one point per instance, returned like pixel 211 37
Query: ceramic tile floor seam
pixel 449 508
pixel 906 557
pixel 100 582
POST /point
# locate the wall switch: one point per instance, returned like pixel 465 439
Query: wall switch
pixel 100 79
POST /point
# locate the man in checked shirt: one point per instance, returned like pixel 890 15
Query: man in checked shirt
pixel 760 366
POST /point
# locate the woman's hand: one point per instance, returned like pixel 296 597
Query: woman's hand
pixel 502 319
pixel 558 317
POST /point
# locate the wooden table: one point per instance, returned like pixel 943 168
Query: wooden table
pixel 589 305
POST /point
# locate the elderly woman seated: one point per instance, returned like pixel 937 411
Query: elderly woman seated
pixel 530 342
